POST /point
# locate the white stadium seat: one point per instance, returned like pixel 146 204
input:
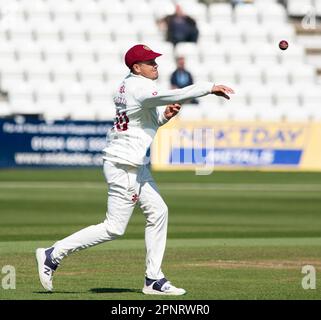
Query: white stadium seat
pixel 98 32
pixel 200 73
pixel 46 32
pixel 188 50
pixel 59 112
pixel 271 113
pixel 237 100
pixel 276 75
pixel 295 54
pixel 36 11
pixel 139 10
pixel 148 31
pixel 213 55
pixel 228 33
pixel 296 114
pixel 4 37
pixel 124 32
pixel 38 73
pixel 260 96
pixel 20 31
pixel 243 113
pixel 5 109
pixel 317 4
pixel 64 72
pixel 116 72
pixel 48 94
pixel 72 32
pixel 298 8
pixel 190 112
pixel 7 52
pixel 11 75
pixel 104 112
pixel 265 53
pixel 74 94
pixel 281 31
pixel 65 9
pixel 28 52
pixel 286 97
pixel 20 94
pixel 250 75
pixel 100 95
pixel 196 10
pixel 271 13
pixel 22 100
pixel 303 74
pixel 311 96
pixel 82 112
pixel 223 74
pixel 220 13
pixel 161 8
pixel 81 53
pixel 165 48
pixel 90 72
pixel 246 12
pixel 88 11
pixel 114 11
pixel 216 113
pixel 206 33
pixel 254 33
pixel 55 52
pixel 239 54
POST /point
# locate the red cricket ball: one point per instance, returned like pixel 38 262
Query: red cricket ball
pixel 283 45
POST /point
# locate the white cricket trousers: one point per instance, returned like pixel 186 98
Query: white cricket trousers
pixel 127 186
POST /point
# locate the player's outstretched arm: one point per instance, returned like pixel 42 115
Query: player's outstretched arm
pixel 222 91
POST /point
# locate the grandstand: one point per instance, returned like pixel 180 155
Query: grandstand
pixel 64 61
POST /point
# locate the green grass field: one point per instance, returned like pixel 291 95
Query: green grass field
pixel 232 235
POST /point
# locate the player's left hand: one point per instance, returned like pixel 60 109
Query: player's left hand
pixel 172 110
pixel 222 91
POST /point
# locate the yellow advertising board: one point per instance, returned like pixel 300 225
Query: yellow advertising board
pixel 184 145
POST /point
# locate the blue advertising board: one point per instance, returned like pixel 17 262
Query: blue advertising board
pixel 61 143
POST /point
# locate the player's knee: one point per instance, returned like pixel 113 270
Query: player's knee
pixel 162 212
pixel 114 232
pixel 165 210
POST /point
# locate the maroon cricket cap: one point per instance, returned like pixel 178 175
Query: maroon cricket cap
pixel 139 53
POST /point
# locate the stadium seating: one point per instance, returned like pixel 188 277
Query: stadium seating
pixel 64 61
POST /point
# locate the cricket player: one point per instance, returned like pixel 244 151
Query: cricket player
pixel 139 113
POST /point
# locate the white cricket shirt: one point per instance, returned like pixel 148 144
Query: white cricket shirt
pixel 139 114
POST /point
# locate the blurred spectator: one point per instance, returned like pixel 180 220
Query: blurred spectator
pixel 180 27
pixel 181 78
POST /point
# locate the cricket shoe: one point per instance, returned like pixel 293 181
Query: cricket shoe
pixel 46 267
pixel 161 287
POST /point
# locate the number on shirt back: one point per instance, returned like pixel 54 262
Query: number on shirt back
pixel 121 121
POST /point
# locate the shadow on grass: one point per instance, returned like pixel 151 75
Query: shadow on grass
pixel 49 293
pixel 113 290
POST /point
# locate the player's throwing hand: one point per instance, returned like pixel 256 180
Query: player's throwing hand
pixel 172 110
pixel 222 91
